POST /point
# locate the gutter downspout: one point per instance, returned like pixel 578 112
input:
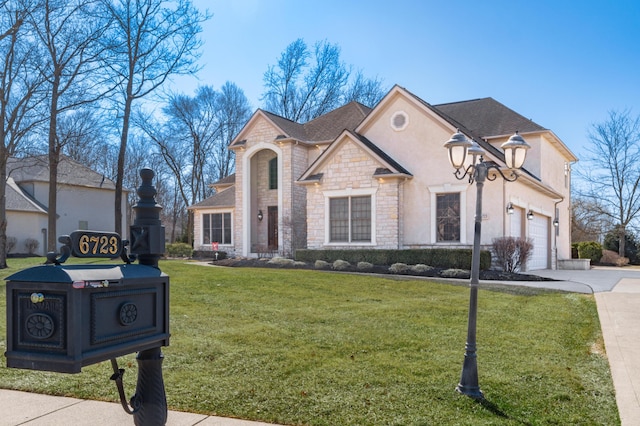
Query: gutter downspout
pixel 556 230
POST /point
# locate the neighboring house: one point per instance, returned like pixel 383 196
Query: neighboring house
pixel 380 178
pixel 85 200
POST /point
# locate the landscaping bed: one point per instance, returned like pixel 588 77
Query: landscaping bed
pixel 280 263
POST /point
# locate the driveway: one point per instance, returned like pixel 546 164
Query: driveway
pixel 617 295
pixel 595 280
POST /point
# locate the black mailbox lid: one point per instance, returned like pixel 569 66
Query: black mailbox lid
pixel 68 274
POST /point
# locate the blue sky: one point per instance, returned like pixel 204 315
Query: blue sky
pixel 563 63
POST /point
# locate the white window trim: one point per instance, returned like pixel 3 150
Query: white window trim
pixel 446 189
pixel 350 192
pixel 230 211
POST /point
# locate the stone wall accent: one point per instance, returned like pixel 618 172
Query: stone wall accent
pixel 351 167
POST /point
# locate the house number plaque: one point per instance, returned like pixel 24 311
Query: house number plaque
pixel 95 244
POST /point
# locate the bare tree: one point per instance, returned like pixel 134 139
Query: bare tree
pixel 304 86
pixel 611 171
pixel 19 96
pixel 587 221
pixel 149 42
pixel 68 32
pixel 84 134
pixel 367 91
pixel 193 139
pixel 232 113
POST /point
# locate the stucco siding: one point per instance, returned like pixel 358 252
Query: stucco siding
pixel 27 225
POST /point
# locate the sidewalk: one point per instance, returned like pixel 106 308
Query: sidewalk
pixel 619 312
pixel 23 408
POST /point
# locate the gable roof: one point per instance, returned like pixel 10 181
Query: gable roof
pixel 19 200
pixel 391 167
pixel 70 172
pixel 325 128
pixel 224 198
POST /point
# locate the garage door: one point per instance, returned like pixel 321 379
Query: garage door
pixel 539 233
pixel 516 222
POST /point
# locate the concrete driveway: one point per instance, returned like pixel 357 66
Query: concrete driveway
pixel 617 294
pixel 595 280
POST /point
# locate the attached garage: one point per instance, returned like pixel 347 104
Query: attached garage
pixel 539 234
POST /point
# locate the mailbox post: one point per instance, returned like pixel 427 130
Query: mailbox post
pixel 147 243
pixel 64 317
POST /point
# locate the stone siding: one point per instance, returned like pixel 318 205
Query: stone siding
pixel 352 168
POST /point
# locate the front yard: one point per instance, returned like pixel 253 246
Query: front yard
pixel 304 347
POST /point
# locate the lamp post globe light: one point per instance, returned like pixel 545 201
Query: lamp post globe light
pixel 467 158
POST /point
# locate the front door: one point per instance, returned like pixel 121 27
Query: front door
pixel 272 227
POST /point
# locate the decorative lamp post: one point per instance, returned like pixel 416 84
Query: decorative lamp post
pixel 460 148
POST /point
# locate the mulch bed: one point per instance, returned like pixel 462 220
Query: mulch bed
pixel 381 269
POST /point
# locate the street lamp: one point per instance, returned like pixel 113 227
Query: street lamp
pixel 477 170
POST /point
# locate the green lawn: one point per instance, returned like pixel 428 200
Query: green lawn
pixel 322 348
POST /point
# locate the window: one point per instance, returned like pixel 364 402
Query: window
pixel 273 173
pixel 350 219
pixel 448 217
pixel 399 121
pixel 216 227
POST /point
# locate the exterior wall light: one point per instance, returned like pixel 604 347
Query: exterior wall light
pixel 260 215
pixel 467 159
pixel 556 222
pixel 530 215
pixel 510 208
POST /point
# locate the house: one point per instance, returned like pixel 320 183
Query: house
pixel 85 200
pixel 380 179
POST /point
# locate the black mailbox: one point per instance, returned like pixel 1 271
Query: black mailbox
pixel 64 317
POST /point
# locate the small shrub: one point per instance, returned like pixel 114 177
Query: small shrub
pixel 179 250
pixel 590 250
pixel 622 261
pixel 31 244
pixel 421 267
pixel 364 266
pixel 512 252
pixel 321 264
pixel 341 265
pixel 611 257
pixel 208 254
pixel 399 268
pixel 455 273
pixel 11 243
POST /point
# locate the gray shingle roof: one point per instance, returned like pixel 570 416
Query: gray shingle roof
pixel 329 126
pixel 36 169
pixel 226 181
pixel 487 117
pixel 326 127
pixel 18 200
pixel 225 198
